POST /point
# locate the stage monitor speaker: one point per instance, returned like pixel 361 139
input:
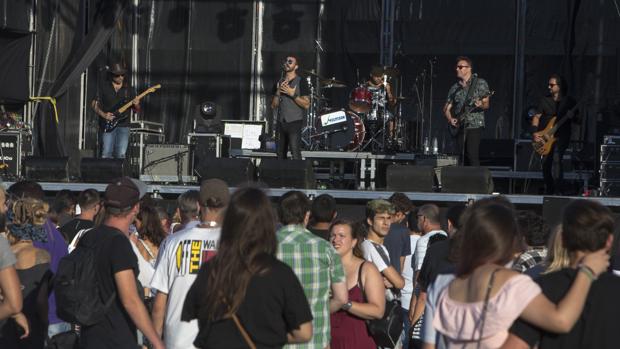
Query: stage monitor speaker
pixel 234 171
pixel 410 178
pixel 497 152
pixel 466 179
pixel 49 169
pixel 281 173
pixel 97 170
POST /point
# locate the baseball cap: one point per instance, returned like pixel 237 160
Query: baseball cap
pixel 124 192
pixel 214 189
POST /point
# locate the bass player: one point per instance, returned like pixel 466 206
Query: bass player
pixel 554 105
pixel 112 93
pixel 470 93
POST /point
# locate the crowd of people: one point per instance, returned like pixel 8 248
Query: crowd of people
pixel 228 270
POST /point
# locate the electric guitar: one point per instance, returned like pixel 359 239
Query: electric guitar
pixel 467 108
pixel 119 110
pixel 543 147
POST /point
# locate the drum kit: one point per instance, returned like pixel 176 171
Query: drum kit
pixel 368 123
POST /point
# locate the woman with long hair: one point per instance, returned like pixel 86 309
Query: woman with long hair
pixel 480 304
pixel 366 290
pixel 244 288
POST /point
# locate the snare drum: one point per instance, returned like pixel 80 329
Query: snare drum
pixel 340 130
pixel 360 100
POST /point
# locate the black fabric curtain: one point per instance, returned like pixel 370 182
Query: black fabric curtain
pixel 14 67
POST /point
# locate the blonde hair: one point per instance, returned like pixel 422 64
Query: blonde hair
pixel 557 256
pixel 29 210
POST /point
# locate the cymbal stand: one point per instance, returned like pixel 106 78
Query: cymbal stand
pixel 308 131
pixel 399 135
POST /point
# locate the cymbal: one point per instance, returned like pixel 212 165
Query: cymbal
pixel 312 73
pixel 391 71
pixel 332 83
pixel 398 99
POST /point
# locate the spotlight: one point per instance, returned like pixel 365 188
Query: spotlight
pixel 208 110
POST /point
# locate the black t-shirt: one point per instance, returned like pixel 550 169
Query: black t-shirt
pixel 597 326
pixel 549 108
pixel 113 254
pixel 274 305
pixel 435 262
pixel 71 228
pixel 322 233
pixel 109 99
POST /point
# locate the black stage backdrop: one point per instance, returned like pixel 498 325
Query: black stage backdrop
pixel 201 50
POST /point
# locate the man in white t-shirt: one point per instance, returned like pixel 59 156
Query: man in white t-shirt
pixel 429 224
pixel 379 218
pixel 179 263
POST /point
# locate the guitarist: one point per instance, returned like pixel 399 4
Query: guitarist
pixel 555 104
pixel 111 95
pixel 469 89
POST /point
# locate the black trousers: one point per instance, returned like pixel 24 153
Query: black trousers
pixel 553 173
pixel 469 139
pixel 289 136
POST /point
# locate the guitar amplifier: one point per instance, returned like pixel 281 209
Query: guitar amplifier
pixel 166 163
pixel 135 152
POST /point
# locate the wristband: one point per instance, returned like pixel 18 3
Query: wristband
pixel 588 271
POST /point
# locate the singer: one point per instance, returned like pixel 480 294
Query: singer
pixel 290 102
pixel 467 100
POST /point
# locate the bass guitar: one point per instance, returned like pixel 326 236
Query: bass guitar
pixel 467 108
pixel 547 135
pixel 119 110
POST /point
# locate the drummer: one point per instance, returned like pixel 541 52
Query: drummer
pixel 375 83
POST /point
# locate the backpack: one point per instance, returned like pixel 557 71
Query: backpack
pixel 76 287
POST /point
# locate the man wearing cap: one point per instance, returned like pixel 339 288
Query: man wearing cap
pixel 179 262
pixel 117 268
pixel 112 94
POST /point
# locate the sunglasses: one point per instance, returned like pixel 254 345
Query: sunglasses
pixel 118 75
pixel 551 85
pixel 462 66
pixel 290 61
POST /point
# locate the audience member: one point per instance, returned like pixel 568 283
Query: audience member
pixel 407 296
pixel 10 287
pixel 437 260
pixel 366 291
pixel 55 245
pixel 536 233
pixel 164 218
pixel 89 203
pixel 33 270
pixel 379 218
pixel 429 224
pixel 244 288
pixel 315 262
pixel 397 240
pixel 187 211
pixel 484 289
pixel 322 213
pixel 587 226
pixel 145 243
pixel 117 269
pixel 180 261
pixel 62 208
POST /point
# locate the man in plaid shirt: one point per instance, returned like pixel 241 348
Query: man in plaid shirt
pixel 316 264
pixel 535 233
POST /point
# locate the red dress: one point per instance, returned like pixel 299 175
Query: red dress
pixel 348 330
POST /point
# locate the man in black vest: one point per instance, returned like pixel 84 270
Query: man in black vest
pixel 291 101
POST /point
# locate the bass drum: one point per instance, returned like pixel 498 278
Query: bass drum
pixel 360 100
pixel 340 130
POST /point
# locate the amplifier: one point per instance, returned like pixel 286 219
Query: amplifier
pixel 610 171
pixel 610 188
pixel 611 139
pixel 610 153
pixel 147 126
pixel 166 163
pixel 212 145
pixel 135 151
pixel 10 155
